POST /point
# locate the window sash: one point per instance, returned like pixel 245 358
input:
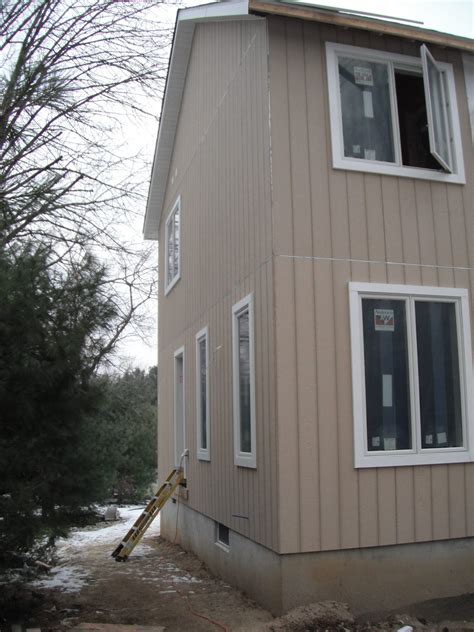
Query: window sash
pixel 244 384
pixel 436 108
pixel 173 246
pixel 202 395
pixel 412 295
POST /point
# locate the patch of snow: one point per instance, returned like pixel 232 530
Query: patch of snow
pixel 71 577
pixel 184 579
pixel 65 578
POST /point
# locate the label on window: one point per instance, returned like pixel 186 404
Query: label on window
pixel 384 320
pixel 376 442
pixel 363 76
pixel 429 439
pixel 368 104
pixel 441 438
pixel 390 443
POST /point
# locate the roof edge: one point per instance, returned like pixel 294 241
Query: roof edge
pixel 351 20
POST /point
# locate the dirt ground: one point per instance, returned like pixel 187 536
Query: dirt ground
pixel 159 585
pixel 163 586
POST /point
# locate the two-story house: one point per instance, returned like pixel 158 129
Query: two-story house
pixel 312 194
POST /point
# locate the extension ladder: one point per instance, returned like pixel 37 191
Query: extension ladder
pixel 150 512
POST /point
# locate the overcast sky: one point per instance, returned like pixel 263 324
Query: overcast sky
pixel 448 16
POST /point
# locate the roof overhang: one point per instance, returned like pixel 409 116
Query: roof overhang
pixel 240 10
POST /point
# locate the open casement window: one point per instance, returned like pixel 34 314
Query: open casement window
pixel 173 246
pixel 393 114
pixel 411 371
pixel 437 110
pixel 244 383
pixel 202 395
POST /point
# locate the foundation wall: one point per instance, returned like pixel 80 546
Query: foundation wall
pixel 367 579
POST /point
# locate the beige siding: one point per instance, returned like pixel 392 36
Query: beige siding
pixel 221 170
pixel 331 227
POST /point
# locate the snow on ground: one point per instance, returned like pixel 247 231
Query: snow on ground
pixel 68 576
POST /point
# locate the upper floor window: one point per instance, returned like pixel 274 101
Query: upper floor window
pixel 244 383
pixel 173 246
pixel 393 114
pixel 411 373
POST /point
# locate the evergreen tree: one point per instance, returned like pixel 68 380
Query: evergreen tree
pixel 52 326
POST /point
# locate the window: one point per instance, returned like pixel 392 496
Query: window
pixel 222 536
pixel 202 395
pixel 393 114
pixel 244 383
pixel 411 375
pixel 173 247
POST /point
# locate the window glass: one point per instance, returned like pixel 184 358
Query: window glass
pixel 438 124
pixel 244 381
pixel 176 222
pixel 438 375
pixel 170 252
pixel 386 375
pixel 366 110
pixel 203 393
pixel 172 255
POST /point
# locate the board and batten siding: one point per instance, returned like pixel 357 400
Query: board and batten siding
pixel 220 168
pixel 331 227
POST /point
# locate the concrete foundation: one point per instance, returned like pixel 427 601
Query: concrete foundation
pixel 367 579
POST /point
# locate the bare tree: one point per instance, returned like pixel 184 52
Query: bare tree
pixel 73 72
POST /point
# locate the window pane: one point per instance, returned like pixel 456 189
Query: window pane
pixel 386 375
pixel 244 381
pixel 170 251
pixel 438 375
pixel 203 393
pixel 439 133
pixel 176 243
pixel 366 110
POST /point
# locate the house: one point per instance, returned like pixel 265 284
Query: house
pixel 312 194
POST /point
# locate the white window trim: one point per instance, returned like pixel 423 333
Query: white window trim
pixel 364 458
pixel 169 286
pixel 203 454
pixel 333 50
pixel 244 459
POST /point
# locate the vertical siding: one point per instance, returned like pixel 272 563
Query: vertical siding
pixel 221 169
pixel 332 227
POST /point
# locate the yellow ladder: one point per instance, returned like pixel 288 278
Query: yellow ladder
pixel 150 512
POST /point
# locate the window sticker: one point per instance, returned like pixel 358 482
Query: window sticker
pixel 429 439
pixel 370 154
pixel 376 442
pixel 384 320
pixel 441 438
pixel 363 76
pixel 387 401
pixel 368 104
pixel 390 443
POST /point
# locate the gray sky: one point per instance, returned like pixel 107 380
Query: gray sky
pixel 449 16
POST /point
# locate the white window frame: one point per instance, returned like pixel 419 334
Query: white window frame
pixel 203 454
pixel 333 51
pixel 244 459
pixel 179 352
pixel 416 456
pixel 169 285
